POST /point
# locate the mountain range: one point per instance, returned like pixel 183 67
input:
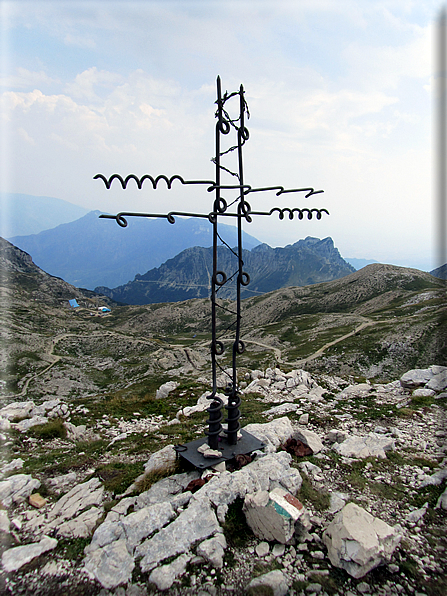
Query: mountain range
pixel 92 252
pixel 27 214
pixel 188 275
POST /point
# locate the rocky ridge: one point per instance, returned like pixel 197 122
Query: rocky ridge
pixel 175 537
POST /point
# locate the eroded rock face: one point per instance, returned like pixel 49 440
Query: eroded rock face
pixel 358 542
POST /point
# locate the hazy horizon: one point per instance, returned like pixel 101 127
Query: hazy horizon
pixel 340 95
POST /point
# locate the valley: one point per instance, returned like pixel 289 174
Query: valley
pixel 322 358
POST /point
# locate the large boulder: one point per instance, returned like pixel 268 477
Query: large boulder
pixel 273 434
pixel 273 516
pixel 434 377
pixel 358 542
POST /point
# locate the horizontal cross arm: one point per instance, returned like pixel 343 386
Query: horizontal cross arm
pixel 154 181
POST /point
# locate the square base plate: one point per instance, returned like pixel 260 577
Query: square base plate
pixel 245 445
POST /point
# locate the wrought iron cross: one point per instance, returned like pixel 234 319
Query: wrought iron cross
pixel 234 441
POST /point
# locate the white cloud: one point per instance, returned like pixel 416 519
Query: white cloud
pixel 24 78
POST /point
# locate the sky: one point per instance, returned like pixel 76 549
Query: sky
pixel 341 97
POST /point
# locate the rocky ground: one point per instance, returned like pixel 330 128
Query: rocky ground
pixel 70 524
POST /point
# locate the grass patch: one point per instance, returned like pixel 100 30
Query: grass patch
pixel 117 476
pixel 72 548
pixel 420 401
pixel 307 493
pixel 153 477
pixel 236 530
pixel 326 581
pixel 54 429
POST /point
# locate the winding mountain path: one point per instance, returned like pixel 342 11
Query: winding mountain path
pixel 366 323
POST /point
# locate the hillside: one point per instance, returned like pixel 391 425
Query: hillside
pixel 188 275
pixel 92 404
pixel 440 272
pixel 92 252
pixel 27 214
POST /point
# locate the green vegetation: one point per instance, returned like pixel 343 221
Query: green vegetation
pixel 236 530
pixel 54 429
pixel 320 500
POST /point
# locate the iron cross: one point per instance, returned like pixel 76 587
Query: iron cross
pixel 223 444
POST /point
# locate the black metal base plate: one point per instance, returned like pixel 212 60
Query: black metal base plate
pixel 246 444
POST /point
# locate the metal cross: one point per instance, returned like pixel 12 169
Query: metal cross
pixel 235 441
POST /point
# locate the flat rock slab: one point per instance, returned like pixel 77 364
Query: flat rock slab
pixel 163 577
pixel 111 565
pixel 77 499
pixel 14 558
pixel 193 525
pixel 265 473
pixel 358 542
pixel 81 526
pixel 372 445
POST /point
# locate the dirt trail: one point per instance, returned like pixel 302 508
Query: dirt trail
pixel 367 323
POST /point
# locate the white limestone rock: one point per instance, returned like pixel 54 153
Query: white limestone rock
pixel 213 550
pixel 310 439
pixel 165 575
pixel 5 424
pixel 166 490
pixel 435 479
pixel 15 464
pixel 282 409
pixel 371 445
pixel 165 389
pixel 25 425
pixel 442 501
pixel 61 483
pixel 132 528
pixel 111 565
pixel 202 404
pixel 144 522
pixel 275 580
pixel 273 434
pixel 4 521
pixel 336 436
pixel 17 488
pixel 419 377
pixel 80 433
pixel 194 524
pixel 81 526
pixel 14 558
pixel 19 409
pixel 358 389
pixel 438 382
pixel 162 459
pixel 77 499
pixel 272 516
pixel 265 473
pixel 358 542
